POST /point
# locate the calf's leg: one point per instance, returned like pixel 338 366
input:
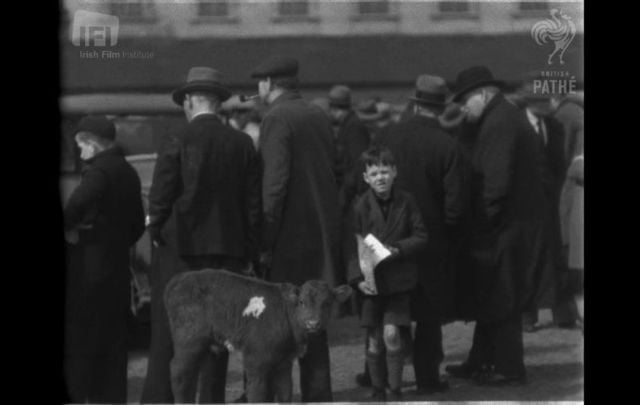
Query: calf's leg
pixel 282 383
pixel 185 367
pixel 257 380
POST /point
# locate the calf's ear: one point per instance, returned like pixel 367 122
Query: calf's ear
pixel 342 293
pixel 290 292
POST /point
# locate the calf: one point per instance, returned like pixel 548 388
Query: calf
pixel 267 322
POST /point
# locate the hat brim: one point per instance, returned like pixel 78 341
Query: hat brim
pixel 427 102
pixel 461 93
pixel 222 92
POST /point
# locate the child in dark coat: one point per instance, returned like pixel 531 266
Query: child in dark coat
pixel 392 216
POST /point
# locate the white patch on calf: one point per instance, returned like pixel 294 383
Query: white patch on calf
pixel 255 307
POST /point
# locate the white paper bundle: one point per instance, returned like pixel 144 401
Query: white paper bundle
pixel 370 252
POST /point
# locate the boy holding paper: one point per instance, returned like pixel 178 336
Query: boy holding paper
pixel 388 232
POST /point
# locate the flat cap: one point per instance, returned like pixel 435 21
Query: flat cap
pixel 340 96
pixel 98 125
pixel 276 66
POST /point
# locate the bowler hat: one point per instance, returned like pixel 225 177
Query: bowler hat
pixel 98 125
pixel 203 79
pixel 276 66
pixel 340 96
pixel 431 90
pixel 473 78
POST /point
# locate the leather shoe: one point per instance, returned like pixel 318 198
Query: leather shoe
pixel 463 370
pixel 439 386
pixel 378 395
pixel 493 379
pixel 363 380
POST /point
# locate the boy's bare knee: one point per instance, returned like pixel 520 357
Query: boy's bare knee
pixel 392 337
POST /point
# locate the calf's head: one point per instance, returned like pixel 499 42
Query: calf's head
pixel 312 302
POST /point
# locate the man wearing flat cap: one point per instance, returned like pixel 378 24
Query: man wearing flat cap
pixel 301 213
pixel 509 232
pixel 204 211
pixel 431 166
pixel 352 139
pixel 103 219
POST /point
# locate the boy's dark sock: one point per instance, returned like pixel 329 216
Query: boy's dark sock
pixel 395 365
pixel 377 370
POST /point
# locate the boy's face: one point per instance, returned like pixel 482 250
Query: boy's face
pixel 380 178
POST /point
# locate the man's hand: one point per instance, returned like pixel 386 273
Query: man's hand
pixel 156 236
pixel 265 259
pixel 365 288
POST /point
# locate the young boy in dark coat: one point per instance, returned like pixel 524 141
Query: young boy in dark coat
pixel 393 217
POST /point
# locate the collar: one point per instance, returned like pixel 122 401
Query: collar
pixel 115 150
pixel 286 96
pixel 203 113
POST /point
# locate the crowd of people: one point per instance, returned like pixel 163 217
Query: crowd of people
pixel 477 195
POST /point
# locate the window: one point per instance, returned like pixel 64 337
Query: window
pixel 136 10
pixel 450 7
pixel 373 7
pixel 213 8
pixel 453 10
pixel 293 8
pixel 533 6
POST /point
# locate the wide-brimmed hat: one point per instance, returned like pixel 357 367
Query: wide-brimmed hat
pixel 203 79
pixel 98 125
pixel 373 110
pixel 430 90
pixel 340 96
pixel 275 67
pixel 473 78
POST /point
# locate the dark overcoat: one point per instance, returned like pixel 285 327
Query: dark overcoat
pixel 510 248
pixel 209 178
pixel 431 167
pixel 351 140
pixel 402 229
pixel 107 205
pixel 301 211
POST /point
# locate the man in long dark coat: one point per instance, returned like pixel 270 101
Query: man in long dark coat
pixel 509 235
pixel 103 217
pixel 352 138
pixel 301 213
pixel 550 135
pixel 431 167
pixel 204 212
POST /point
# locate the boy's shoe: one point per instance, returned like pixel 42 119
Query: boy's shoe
pixel 378 395
pixel 395 395
pixel 363 380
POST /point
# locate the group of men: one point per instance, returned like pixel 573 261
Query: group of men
pixel 278 212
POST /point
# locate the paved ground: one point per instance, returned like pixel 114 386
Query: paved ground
pixel 554 360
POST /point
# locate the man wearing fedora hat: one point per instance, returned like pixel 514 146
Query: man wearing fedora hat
pixel 103 218
pixel 508 238
pixel 204 212
pixel 352 139
pixel 301 227
pixel 431 167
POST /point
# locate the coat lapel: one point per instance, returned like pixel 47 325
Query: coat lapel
pixel 381 228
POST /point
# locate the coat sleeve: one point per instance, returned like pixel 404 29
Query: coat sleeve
pixel 357 141
pixel 275 147
pixel 497 167
pixel 91 189
pixel 354 226
pixel 455 187
pixel 418 238
pixel 166 185
pixel 253 198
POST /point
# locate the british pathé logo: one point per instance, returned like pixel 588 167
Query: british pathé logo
pixel 560 30
pixel 94 29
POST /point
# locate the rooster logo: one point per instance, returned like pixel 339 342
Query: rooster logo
pixel 560 29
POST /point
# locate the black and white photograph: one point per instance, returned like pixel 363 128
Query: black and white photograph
pixel 321 201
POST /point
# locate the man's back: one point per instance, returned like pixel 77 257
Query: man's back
pixel 215 171
pixel 300 197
